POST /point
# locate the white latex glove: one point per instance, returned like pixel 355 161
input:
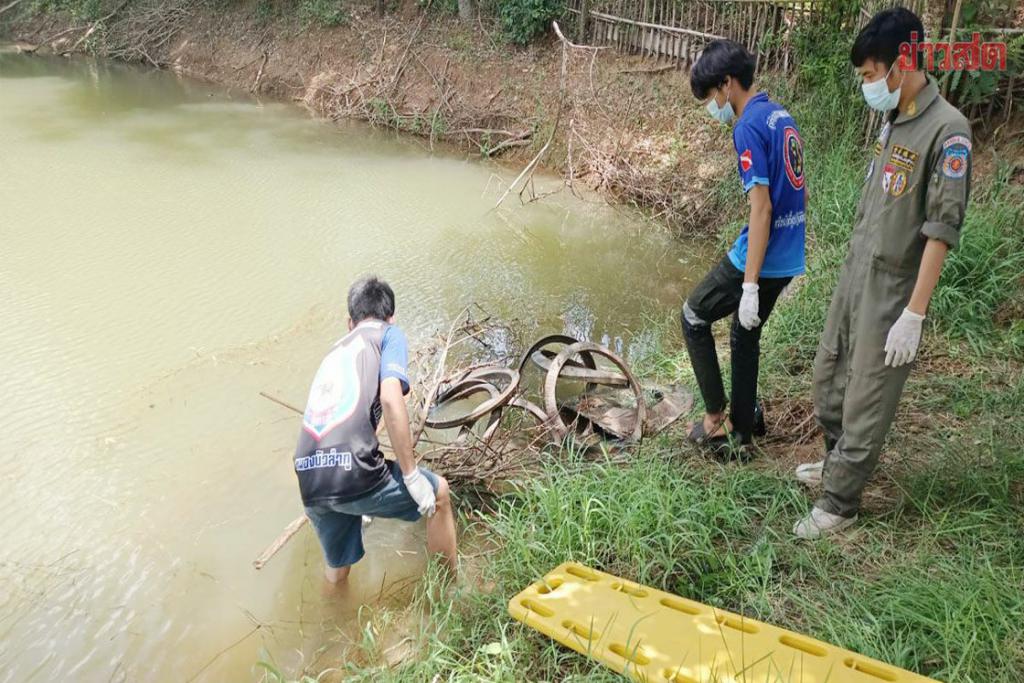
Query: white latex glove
pixel 421 491
pixel 749 303
pixel 904 338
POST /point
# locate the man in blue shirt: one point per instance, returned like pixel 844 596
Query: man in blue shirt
pixel 768 254
pixel 341 470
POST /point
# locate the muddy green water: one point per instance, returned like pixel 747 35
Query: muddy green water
pixel 168 251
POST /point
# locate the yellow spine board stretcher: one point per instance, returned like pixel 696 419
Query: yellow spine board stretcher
pixel 653 636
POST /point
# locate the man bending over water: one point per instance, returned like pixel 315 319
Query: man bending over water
pixel 342 472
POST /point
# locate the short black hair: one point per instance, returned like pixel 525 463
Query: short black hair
pixel 370 297
pixel 880 40
pixel 719 60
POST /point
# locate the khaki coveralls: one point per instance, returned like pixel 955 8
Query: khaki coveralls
pixel 916 188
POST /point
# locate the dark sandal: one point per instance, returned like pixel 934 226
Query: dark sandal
pixel 697 433
pixel 717 446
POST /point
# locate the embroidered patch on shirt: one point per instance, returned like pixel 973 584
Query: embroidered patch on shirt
pixel 898 184
pixel 887 172
pixel 746 160
pixel 954 163
pixel 902 157
pixel 774 118
pixel 956 154
pixel 957 140
pixel 883 136
pixel 794 154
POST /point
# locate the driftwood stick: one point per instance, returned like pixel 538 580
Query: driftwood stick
pixel 279 402
pixel 255 88
pixel 279 542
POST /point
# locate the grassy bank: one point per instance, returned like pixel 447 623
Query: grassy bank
pixel 933 578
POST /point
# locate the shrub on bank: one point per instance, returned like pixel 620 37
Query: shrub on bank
pixel 524 20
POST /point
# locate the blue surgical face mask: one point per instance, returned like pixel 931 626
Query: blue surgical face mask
pixel 723 114
pixel 877 94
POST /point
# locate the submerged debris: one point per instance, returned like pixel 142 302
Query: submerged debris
pixel 501 435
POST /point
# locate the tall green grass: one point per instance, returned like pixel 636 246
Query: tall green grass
pixel 933 586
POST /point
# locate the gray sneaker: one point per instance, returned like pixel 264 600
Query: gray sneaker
pixel 810 473
pixel 819 524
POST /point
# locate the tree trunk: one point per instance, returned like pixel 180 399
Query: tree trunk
pixel 467 10
pixel 381 7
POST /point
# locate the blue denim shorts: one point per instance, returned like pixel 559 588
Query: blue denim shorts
pixel 339 526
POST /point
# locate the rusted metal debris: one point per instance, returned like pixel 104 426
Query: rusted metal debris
pixel 612 407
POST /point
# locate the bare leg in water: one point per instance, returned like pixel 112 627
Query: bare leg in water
pixel 440 536
pixel 441 528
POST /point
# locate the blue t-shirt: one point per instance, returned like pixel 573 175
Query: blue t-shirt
pixel 770 153
pixel 394 357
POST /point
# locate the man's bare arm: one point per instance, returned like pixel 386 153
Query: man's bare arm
pixel 758 231
pixel 396 420
pixel 928 275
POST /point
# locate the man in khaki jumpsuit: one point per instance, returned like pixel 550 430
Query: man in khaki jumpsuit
pixel 911 209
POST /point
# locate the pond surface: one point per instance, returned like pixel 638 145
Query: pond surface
pixel 168 252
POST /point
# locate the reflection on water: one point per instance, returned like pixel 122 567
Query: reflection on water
pixel 169 252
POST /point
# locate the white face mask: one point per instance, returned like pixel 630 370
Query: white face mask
pixel 723 114
pixel 877 94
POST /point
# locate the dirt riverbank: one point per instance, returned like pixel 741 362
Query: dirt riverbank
pixel 626 127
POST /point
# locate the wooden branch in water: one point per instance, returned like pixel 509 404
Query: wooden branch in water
pixel 255 89
pixel 279 542
pixel 279 402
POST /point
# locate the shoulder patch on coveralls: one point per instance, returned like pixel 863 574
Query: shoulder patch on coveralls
pixel 956 151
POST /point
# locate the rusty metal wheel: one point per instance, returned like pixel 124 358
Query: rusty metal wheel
pixel 591 349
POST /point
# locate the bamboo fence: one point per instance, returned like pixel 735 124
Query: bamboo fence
pixel 677 30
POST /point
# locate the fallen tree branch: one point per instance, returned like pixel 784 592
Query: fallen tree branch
pixel 279 542
pixel 10 5
pixel 527 172
pixel 655 70
pixel 255 88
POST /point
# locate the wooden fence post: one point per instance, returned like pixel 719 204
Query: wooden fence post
pixel 584 18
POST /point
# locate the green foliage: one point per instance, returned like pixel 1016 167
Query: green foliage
pixel 81 10
pixel 324 13
pixel 265 11
pixel 524 20
pixel 979 87
pixel 985 271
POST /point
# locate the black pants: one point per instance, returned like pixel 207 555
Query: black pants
pixel 717 296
